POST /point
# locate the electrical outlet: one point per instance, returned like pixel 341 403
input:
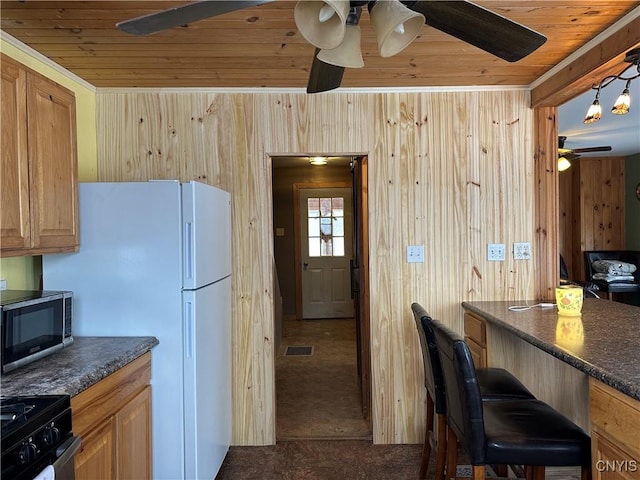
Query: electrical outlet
pixel 3 284
pixel 496 252
pixel 522 251
pixel 415 253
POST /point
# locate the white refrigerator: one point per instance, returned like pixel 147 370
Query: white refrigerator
pixel 155 260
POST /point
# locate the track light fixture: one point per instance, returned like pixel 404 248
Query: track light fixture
pixel 621 106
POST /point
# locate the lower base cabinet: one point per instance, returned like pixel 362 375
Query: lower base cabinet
pixel 615 433
pixel 113 419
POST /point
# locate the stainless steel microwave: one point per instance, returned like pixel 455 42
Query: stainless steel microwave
pixel 34 324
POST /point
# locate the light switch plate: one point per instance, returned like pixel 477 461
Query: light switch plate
pixel 415 253
pixel 496 252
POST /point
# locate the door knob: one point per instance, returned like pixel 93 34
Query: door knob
pixel 305 265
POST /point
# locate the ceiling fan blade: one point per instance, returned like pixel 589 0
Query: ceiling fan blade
pixel 591 149
pixel 182 15
pixel 570 156
pixel 480 27
pixel 323 76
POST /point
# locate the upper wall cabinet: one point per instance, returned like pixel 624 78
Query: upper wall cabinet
pixel 39 191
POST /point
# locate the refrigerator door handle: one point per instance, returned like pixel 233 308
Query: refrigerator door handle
pixel 188 250
pixel 188 325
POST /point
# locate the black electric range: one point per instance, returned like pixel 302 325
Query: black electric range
pixel 36 431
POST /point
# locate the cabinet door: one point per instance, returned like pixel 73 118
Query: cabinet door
pixel 96 458
pixel 612 463
pixel 134 437
pixel 14 181
pixel 51 119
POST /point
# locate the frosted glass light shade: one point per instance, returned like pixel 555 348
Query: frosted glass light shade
pixel 563 164
pixel 317 26
pixel 347 54
pixel 395 25
pixel 594 113
pixel 621 107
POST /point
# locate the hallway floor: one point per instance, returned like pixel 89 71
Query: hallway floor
pixel 317 396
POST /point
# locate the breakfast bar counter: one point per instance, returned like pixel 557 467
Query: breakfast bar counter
pixel 76 368
pixel 604 342
pixel 585 366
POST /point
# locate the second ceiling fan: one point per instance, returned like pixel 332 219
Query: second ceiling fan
pixel 567 155
pixel 332 27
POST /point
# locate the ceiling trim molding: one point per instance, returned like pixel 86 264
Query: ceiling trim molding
pixel 601 56
pixel 470 88
pixel 26 49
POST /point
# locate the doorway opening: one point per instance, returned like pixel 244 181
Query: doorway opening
pixel 321 274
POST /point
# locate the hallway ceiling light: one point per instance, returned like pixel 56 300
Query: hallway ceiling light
pixel 318 160
pixel 621 106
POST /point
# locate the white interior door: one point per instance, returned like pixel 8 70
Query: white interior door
pixel 326 229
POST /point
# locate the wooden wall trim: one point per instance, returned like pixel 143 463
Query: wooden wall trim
pixel 605 58
pixel 547 213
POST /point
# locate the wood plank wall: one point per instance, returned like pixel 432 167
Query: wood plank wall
pixel 592 209
pixel 450 170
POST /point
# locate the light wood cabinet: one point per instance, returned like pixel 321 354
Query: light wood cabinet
pixel 39 164
pixel 615 437
pixel 475 335
pixel 113 419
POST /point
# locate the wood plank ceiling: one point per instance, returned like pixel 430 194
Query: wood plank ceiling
pixel 261 47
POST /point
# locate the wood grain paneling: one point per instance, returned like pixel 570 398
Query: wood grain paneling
pixel 545 247
pixel 592 209
pixel 551 380
pixel 262 47
pixel 452 171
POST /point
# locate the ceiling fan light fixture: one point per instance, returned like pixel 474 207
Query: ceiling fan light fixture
pixel 348 53
pixel 395 26
pixel 322 23
pixel 595 111
pixel 621 107
pixel 563 164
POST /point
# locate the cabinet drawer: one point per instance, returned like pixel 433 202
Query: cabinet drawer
pixel 475 329
pixel 478 353
pixel 615 415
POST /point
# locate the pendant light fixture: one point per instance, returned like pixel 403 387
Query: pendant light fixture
pixel 623 103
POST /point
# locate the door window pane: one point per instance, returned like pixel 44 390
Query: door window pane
pixel 314 227
pixel 326 226
pixel 314 247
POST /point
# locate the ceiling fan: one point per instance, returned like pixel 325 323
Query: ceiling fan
pixel 566 155
pixel 332 27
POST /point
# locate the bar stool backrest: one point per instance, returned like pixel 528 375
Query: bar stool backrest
pixel 432 369
pixel 463 398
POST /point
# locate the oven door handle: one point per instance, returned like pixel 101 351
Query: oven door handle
pixel 66 451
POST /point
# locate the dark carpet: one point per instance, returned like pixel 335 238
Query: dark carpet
pixel 323 460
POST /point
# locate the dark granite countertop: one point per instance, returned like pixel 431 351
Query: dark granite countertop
pixel 74 369
pixel 603 342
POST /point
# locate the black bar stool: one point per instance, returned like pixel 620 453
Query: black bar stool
pixel 518 431
pixel 495 384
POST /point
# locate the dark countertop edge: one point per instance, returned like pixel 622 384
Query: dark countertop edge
pixel 594 371
pixel 86 381
pixel 64 379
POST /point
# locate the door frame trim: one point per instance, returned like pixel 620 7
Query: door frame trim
pixel 296 226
